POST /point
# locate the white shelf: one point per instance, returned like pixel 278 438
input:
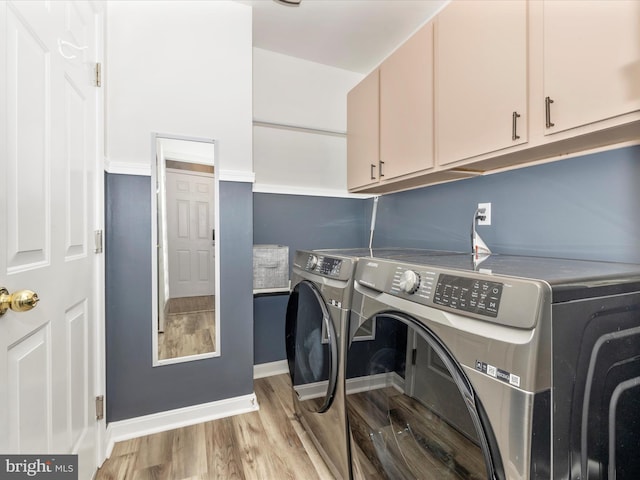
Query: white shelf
pixel 272 291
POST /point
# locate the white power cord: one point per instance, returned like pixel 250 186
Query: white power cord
pixel 478 247
pixel 374 212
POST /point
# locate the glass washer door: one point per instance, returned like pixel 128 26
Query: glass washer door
pixel 398 432
pixel 312 359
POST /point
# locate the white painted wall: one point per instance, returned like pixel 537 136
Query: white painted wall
pixel 291 91
pixel 178 67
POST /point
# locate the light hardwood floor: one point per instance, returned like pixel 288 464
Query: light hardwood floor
pixel 269 444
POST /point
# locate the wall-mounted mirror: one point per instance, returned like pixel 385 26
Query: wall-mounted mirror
pixel 185 323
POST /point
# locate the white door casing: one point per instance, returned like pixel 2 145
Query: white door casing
pixel 190 216
pixel 49 129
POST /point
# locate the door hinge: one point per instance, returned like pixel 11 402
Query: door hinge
pixel 414 355
pixel 100 407
pixel 98 74
pixel 98 241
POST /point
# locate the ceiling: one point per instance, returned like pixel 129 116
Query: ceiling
pixel 353 35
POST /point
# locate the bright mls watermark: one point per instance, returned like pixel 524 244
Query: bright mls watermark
pixel 52 467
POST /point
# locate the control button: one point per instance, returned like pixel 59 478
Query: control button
pixel 409 282
pixel 313 262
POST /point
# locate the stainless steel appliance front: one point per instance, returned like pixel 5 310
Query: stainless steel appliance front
pixel 460 380
pixel 316 328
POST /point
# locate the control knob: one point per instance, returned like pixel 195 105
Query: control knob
pixel 410 282
pixel 313 262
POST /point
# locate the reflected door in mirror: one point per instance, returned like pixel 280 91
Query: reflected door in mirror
pixel 191 248
pixel 186 326
pixel 189 312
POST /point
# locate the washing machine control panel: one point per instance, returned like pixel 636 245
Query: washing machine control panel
pixel 504 300
pixel 468 294
pixel 328 266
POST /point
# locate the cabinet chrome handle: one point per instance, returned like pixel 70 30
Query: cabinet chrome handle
pixel 373 166
pixel 20 301
pixel 514 126
pixel 380 172
pixel 547 111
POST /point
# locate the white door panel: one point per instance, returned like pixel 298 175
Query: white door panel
pixel 75 170
pixel 48 150
pixel 77 361
pixel 29 392
pixel 190 216
pixel 28 144
pixel 25 358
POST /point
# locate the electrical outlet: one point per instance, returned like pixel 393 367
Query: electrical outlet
pixel 486 213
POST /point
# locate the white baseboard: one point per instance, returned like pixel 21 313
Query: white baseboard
pixel 236 176
pixel 128 168
pixel 311 191
pixel 272 368
pixel 144 169
pixel 180 417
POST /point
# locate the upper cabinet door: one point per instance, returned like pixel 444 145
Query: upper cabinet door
pixel 591 61
pixel 363 132
pixel 406 107
pixel 481 78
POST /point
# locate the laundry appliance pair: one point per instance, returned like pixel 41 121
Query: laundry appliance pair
pixel 452 366
pixel 317 322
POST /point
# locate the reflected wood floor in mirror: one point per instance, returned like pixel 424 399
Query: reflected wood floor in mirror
pixel 269 444
pixel 189 328
pixel 191 304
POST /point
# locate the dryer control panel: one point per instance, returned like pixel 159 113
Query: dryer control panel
pixel 512 301
pixel 324 265
pixel 471 295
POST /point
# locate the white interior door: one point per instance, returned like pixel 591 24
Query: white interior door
pixel 190 219
pixel 47 158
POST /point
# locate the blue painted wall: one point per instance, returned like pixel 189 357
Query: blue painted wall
pixel 585 207
pixel 134 387
pixel 301 222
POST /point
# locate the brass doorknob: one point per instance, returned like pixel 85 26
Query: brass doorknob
pixel 20 301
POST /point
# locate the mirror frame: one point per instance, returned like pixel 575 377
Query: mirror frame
pixel 154 251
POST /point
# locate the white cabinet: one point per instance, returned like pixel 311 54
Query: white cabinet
pixel 406 107
pixel 591 61
pixel 481 78
pixel 363 132
pixel 390 116
pixel 513 82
